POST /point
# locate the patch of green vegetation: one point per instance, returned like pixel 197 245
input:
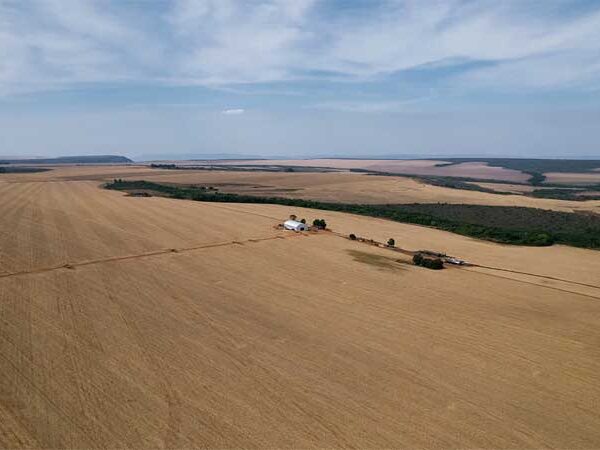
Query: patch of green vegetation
pixel 429 263
pixel 503 224
pixel 9 169
pixel 455 183
pixel 320 224
pixel 528 226
pixel 165 166
pixel 566 194
pixel 536 179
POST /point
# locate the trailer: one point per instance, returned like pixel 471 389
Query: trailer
pixel 456 261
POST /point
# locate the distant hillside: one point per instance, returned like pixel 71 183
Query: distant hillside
pixel 93 159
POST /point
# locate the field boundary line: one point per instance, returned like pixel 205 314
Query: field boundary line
pixel 548 277
pixel 73 265
pixel 533 284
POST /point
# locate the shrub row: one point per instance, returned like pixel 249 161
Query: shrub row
pixel 319 224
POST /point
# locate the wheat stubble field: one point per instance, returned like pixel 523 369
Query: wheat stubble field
pixel 352 188
pixel 332 187
pixel 151 322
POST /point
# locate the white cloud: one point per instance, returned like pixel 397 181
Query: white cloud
pixel 55 44
pixel 233 112
pixel 228 42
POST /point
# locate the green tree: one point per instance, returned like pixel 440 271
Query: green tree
pixel 436 264
pixel 320 224
pixel 391 242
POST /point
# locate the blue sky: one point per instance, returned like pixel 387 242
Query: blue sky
pixel 300 78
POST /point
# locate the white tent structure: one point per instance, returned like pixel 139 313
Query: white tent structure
pixel 295 225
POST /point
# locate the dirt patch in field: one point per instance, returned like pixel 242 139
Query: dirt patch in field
pixel 380 261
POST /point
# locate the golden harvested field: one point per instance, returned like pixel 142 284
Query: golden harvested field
pixel 335 187
pixel 353 188
pixel 573 178
pixel 79 172
pixel 413 167
pixel 326 162
pixel 247 336
pixel 503 187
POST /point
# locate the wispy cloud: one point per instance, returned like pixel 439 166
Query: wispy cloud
pixel 56 44
pixel 233 112
pixel 373 106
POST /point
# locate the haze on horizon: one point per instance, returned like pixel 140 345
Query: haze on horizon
pixel 300 78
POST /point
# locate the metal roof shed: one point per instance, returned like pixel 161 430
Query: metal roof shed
pixel 294 225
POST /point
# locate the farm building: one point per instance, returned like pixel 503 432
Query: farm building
pixel 294 225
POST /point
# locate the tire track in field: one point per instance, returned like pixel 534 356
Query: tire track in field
pixel 41 395
pixel 536 275
pixel 146 213
pixel 141 255
pixel 538 284
pixel 14 211
pixel 168 393
pixel 98 226
pixel 219 206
